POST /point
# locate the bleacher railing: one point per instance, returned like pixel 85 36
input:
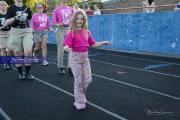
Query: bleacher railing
pixel 169 7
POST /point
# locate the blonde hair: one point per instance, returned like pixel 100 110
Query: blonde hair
pixel 4 2
pixel 73 26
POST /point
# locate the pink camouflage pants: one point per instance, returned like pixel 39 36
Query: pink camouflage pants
pixel 81 69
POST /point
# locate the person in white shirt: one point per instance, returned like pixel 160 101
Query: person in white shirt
pixel 177 6
pixel 97 11
pixel 148 6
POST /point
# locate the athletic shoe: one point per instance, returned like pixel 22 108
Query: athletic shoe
pixel 79 106
pixel 28 76
pixel 45 63
pixel 61 71
pixel 6 67
pixel 21 76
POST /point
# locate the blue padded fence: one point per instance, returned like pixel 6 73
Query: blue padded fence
pixel 157 32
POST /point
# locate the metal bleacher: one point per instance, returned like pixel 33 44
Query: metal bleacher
pixel 124 6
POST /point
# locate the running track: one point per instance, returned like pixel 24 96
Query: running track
pixel 125 87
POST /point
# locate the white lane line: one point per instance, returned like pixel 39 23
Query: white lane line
pixel 140 59
pixel 135 86
pixel 55 58
pixel 138 87
pixel 89 54
pixel 123 66
pixel 88 102
pixel 4 115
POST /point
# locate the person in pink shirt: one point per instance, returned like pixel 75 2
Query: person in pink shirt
pixel 61 19
pixel 79 39
pixel 40 24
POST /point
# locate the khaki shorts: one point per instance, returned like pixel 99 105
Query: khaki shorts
pixel 39 35
pixel 4 36
pixel 21 39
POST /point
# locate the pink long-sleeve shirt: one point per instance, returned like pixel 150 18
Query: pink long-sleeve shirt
pixel 40 21
pixel 62 14
pixel 79 41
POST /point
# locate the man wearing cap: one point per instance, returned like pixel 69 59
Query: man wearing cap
pixel 61 19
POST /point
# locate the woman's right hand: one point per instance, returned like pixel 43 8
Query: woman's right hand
pixel 66 48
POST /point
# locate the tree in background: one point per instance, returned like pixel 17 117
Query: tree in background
pixel 51 4
pixel 31 4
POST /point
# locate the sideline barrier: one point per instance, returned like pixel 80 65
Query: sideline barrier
pixel 169 7
pixel 157 32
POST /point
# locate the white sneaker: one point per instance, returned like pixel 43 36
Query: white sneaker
pixel 6 67
pixel 79 106
pixel 45 62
